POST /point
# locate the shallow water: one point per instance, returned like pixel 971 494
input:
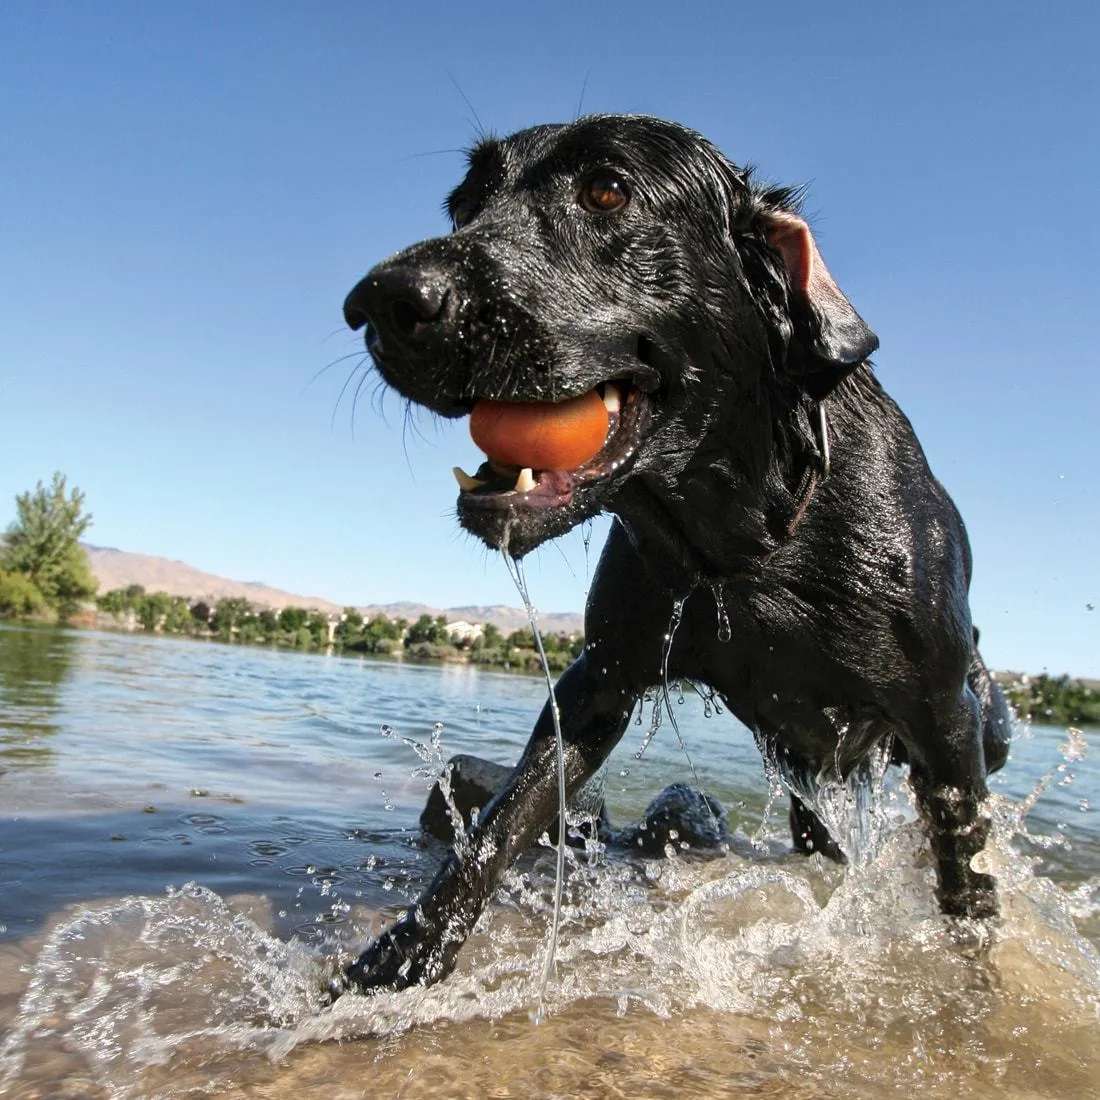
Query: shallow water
pixel 192 836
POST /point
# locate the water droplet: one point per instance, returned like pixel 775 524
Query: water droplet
pixel 724 631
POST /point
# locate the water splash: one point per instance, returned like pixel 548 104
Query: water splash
pixel 777 792
pixel 854 807
pixel 142 981
pixel 848 981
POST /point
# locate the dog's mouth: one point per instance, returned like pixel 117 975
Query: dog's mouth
pixel 512 492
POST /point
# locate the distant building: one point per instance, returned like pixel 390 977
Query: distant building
pixel 465 633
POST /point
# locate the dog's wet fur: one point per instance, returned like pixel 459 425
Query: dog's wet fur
pixel 754 466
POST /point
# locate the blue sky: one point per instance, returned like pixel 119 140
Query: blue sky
pixel 187 193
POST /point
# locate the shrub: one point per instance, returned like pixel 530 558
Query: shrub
pixel 19 595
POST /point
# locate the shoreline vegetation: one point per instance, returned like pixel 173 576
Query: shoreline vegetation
pixel 45 578
pixel 1057 700
pixel 236 621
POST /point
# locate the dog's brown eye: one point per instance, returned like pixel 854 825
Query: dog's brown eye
pixel 463 213
pixel 604 193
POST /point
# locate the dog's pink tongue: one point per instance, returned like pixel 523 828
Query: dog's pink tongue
pixel 540 435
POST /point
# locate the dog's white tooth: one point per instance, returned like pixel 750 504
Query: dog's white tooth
pixel 611 400
pixel 526 480
pixel 466 483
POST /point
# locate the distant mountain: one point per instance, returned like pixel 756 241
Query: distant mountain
pixel 120 568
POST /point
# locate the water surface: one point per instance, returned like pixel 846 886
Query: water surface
pixel 192 836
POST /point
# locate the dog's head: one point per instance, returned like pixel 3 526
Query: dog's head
pixel 623 256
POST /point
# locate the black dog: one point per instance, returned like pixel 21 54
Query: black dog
pixel 752 461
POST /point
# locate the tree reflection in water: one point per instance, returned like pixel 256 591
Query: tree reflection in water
pixel 34 665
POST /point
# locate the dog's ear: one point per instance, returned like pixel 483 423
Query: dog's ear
pixel 833 336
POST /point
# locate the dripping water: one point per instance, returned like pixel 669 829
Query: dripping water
pixel 515 569
pixel 724 631
pixel 662 701
pixel 586 538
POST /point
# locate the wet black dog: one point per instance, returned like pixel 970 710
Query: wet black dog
pixel 754 465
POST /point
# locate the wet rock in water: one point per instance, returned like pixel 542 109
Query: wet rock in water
pixel 474 781
pixel 682 816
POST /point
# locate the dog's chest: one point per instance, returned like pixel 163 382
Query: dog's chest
pixel 775 678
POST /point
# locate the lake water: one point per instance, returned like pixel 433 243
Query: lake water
pixel 193 836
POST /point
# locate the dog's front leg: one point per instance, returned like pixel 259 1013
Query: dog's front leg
pixel 422 946
pixel 948 774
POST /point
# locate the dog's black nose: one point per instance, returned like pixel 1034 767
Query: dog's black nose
pixel 406 302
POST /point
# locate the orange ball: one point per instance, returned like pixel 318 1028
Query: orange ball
pixel 541 435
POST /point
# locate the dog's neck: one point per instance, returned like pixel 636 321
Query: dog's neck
pixel 669 530
pixel 817 470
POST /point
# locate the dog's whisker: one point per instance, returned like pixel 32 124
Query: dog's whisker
pixel 356 371
pixel 359 355
pixel 465 99
pixel 431 153
pixel 378 398
pixel 565 558
pixel 341 330
pixel 580 98
pixel 405 429
pixel 355 400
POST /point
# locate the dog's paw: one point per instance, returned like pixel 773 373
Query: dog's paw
pixel 967 893
pixel 404 955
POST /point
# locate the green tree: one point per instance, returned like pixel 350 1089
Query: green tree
pixel 380 635
pixel 229 613
pixel 19 595
pixel 317 625
pixel 427 629
pixel 1057 700
pixel 44 544
pixel 349 629
pixel 115 602
pixel 153 610
pixel 251 630
pixel 177 616
pixel 292 619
